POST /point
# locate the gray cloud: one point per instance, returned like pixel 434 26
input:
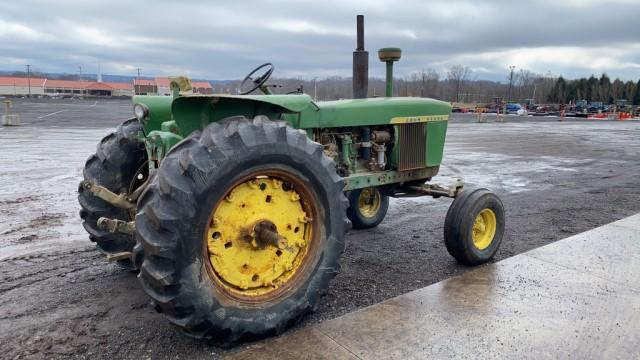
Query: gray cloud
pixel 223 40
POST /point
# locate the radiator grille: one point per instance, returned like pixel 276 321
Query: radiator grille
pixel 413 144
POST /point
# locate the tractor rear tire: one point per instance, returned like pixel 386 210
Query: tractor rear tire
pixel 474 226
pixel 118 157
pixel 179 225
pixel 367 213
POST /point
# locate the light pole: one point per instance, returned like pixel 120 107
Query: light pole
pixel 315 89
pixel 29 78
pixel 510 81
pixel 422 87
pixel 137 90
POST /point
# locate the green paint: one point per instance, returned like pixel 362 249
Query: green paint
pixel 367 112
pixel 436 134
pixel 170 126
pixel 159 110
pixel 346 151
pixel 389 55
pixel 171 120
pixel 367 179
pixel 395 153
pixel 389 79
pixel 158 144
pixel 195 112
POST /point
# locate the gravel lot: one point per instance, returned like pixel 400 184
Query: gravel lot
pixel 60 298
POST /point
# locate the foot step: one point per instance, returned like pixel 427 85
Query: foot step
pixel 119 256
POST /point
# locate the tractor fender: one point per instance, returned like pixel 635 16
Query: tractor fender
pixel 195 112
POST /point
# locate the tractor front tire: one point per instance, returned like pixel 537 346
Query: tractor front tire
pixel 118 158
pixel 242 229
pixel 367 207
pixel 474 226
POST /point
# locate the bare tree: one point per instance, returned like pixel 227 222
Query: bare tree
pixel 430 81
pixel 457 75
pixel 525 81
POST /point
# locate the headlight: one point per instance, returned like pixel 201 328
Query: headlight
pixel 140 111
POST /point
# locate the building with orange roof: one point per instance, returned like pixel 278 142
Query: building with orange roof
pixel 199 87
pixel 64 87
pixel 202 87
pixel 121 89
pixel 145 87
pixel 109 89
pixel 163 85
pixel 17 86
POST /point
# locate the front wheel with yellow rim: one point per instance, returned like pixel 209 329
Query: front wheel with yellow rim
pixel 474 226
pixel 367 207
pixel 242 228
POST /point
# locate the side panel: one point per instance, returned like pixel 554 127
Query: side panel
pixel 194 113
pixel 436 134
pixel 372 111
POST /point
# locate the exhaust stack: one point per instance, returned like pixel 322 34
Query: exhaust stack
pixel 360 63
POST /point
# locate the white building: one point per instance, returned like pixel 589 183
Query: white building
pixel 17 86
pixel 164 86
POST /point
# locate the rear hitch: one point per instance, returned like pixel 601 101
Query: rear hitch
pixel 117 226
pixel 122 201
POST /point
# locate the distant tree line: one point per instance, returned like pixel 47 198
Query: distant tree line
pixel 458 84
pixel 38 74
pixel 594 89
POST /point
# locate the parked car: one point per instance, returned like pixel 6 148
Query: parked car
pixel 596 106
pixel 513 108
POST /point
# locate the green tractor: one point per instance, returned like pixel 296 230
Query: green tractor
pixel 234 208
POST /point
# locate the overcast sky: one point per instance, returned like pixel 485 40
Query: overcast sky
pixel 225 39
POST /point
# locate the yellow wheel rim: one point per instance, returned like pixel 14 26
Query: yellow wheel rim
pixel 484 229
pixel 369 202
pixel 259 235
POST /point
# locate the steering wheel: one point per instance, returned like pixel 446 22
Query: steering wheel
pixel 258 81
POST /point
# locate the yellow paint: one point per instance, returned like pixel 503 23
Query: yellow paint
pixel 369 202
pixel 243 266
pixel 484 229
pixel 181 82
pixel 417 119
